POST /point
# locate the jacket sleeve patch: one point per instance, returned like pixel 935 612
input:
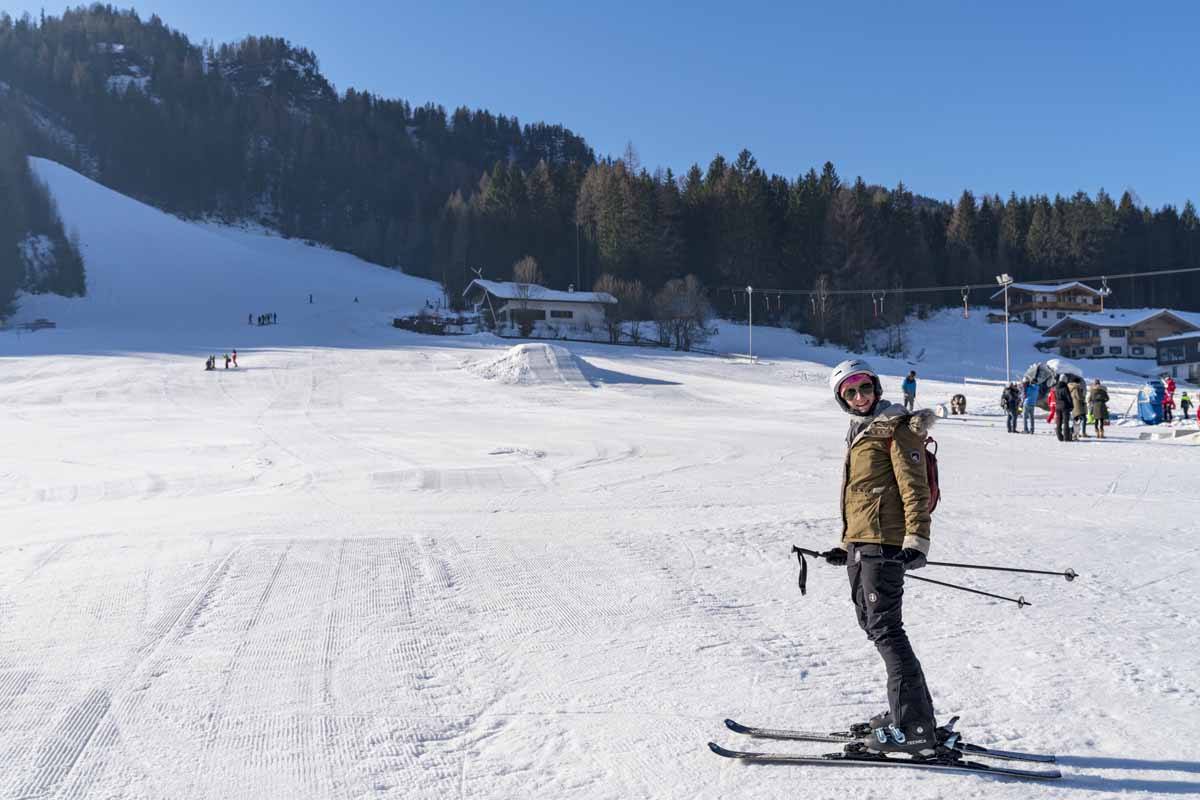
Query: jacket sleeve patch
pixel 914 456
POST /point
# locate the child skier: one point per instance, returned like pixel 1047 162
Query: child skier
pixel 1185 405
pixel 885 532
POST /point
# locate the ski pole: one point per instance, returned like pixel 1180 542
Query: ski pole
pixel 1068 573
pixel 1019 600
pixel 803 580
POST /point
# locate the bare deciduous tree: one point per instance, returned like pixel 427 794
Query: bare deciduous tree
pixel 526 275
pixel 527 271
pixel 629 308
pixel 682 311
pixel 821 303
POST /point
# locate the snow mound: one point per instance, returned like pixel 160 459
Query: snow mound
pixel 529 364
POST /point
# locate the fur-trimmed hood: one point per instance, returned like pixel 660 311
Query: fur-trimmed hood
pixel 887 416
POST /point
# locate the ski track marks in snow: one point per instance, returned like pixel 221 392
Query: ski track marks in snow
pixel 343 668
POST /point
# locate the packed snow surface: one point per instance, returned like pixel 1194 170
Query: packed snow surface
pixel 352 568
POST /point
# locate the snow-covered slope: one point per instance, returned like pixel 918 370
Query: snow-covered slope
pixel 180 284
pixel 353 568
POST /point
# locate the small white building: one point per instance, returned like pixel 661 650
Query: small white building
pixel 1118 334
pixel 1042 305
pixel 507 305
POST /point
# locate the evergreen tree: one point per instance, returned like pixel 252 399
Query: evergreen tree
pixel 962 237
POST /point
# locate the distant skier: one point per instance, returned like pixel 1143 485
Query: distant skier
pixel 1185 405
pixel 1062 406
pixel 226 360
pixel 909 387
pixel 1098 404
pixel 1052 404
pixel 1168 407
pixel 249 319
pixel 235 359
pixel 1010 401
pixel 1031 400
pixel 885 530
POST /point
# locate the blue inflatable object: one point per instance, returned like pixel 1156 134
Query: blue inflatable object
pixel 1150 400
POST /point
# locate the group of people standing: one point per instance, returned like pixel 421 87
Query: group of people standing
pixel 1168 403
pixel 263 319
pixel 211 363
pixel 1071 412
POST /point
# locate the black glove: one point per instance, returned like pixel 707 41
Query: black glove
pixel 912 558
pixel 836 556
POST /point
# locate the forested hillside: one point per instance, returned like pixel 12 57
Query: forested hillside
pixel 36 254
pixel 252 130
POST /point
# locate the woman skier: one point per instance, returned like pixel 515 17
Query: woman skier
pixel 885 532
pixel 1098 403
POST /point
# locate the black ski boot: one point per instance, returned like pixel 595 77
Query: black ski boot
pixel 918 740
pixel 880 720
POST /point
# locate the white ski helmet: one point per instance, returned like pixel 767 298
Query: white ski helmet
pixel 854 366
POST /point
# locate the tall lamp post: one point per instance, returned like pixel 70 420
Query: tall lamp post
pixel 1006 280
pixel 750 305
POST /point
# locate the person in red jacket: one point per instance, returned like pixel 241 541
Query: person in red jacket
pixel 1051 402
pixel 1169 385
pixel 1168 407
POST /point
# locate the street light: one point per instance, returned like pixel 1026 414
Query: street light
pixel 1006 280
pixel 750 303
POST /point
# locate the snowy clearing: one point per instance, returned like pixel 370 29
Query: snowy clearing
pixel 354 567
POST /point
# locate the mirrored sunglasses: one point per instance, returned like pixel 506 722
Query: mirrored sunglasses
pixel 866 389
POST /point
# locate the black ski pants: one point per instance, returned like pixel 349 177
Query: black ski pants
pixel 1063 423
pixel 877 588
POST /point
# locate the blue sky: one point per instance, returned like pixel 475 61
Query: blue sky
pixel 1018 96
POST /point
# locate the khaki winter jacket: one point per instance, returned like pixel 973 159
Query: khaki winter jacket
pixel 1098 402
pixel 1078 408
pixel 885 491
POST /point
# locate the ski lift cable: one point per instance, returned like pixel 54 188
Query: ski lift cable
pixel 959 287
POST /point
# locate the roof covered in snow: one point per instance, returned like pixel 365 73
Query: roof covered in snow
pixel 1118 319
pixel 509 290
pixel 1049 288
pixel 1181 337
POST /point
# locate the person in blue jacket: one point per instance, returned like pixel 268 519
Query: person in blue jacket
pixel 909 387
pixel 1030 392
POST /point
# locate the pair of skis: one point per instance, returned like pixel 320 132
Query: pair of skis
pixel 950 758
